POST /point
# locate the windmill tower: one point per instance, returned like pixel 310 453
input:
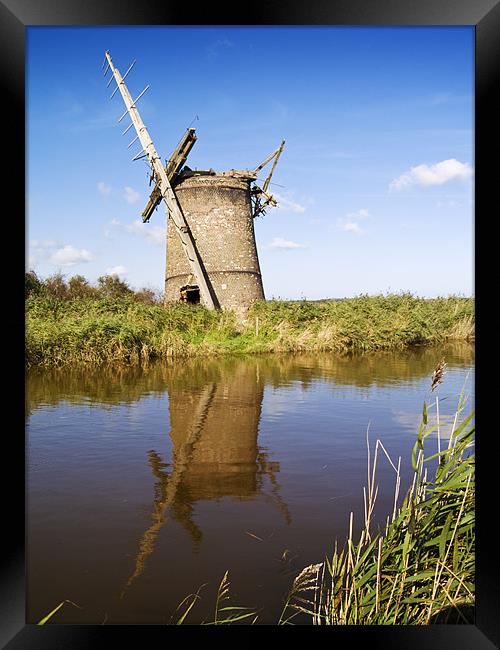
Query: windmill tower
pixel 211 254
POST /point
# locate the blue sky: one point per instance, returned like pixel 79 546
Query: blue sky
pixel 375 182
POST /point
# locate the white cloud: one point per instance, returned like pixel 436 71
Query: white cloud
pixel 117 270
pixel 360 214
pixel 153 234
pixel 287 204
pixel 108 230
pixel 41 250
pixel 438 174
pixel 45 245
pixel 350 224
pixel 279 243
pixel 58 255
pixel 103 188
pixel 69 256
pixel 130 195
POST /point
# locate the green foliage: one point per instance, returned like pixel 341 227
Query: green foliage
pixel 110 286
pixel 79 287
pixel 69 322
pixel 147 296
pixel 118 330
pixel 421 568
pixel 55 287
pixel 364 323
pixel 32 284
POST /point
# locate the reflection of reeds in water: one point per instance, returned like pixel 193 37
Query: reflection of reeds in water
pixel 124 384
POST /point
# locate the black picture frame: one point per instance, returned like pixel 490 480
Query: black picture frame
pixel 15 16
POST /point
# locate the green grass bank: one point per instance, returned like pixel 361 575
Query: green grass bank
pixel 91 330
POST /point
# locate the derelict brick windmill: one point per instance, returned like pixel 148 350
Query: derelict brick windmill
pixel 211 251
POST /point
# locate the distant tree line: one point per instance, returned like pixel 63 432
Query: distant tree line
pixel 78 287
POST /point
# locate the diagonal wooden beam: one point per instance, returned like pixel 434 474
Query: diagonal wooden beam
pixel 277 154
pixel 171 204
pixel 258 192
pixel 173 167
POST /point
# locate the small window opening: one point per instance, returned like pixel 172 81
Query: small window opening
pixel 190 293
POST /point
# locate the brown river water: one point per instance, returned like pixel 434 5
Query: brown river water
pixel 145 485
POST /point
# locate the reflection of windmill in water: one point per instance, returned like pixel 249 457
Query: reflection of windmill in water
pixel 215 453
pixel 211 251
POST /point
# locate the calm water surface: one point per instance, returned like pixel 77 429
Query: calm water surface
pixel 145 484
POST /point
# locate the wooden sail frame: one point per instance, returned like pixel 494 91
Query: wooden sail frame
pixel 164 187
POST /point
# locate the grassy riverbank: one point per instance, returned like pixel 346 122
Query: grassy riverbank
pixel 92 330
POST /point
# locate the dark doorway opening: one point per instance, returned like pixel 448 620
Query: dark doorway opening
pixel 190 293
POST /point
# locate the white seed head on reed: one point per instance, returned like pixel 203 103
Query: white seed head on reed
pixel 307 578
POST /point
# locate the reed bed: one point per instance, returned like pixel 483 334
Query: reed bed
pixel 364 323
pixel 124 330
pixel 418 569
